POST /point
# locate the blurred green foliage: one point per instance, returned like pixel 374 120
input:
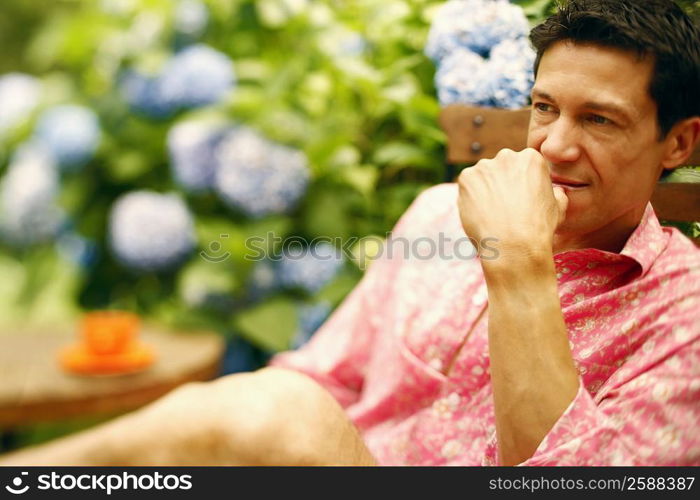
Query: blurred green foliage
pixel 367 122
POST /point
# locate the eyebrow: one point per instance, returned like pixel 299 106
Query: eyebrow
pixel 598 106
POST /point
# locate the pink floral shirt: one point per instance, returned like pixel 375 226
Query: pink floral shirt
pixel 406 354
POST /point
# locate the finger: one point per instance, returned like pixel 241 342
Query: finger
pixel 562 202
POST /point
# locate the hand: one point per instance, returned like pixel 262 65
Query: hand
pixel 511 198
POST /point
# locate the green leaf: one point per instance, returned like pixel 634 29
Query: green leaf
pixel 128 166
pixel 270 325
pixel 324 214
pixel 247 100
pixel 403 154
pixel 685 174
pixel 286 126
pixel 362 177
pixel 536 10
pixel 201 277
pixel 173 314
pixel 252 69
pixel 339 288
pixel 220 240
pixel 358 70
pixel 48 290
pixel 265 235
pixel 276 13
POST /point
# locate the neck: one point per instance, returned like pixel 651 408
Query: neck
pixel 611 238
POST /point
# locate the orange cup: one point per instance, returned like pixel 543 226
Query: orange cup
pixel 109 332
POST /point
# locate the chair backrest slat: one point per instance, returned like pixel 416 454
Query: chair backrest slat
pixel 677 201
pixel 474 133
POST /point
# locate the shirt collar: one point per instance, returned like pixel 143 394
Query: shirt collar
pixel 643 247
pixel 647 241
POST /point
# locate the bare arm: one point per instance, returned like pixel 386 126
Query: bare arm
pixel 532 370
pixel 534 378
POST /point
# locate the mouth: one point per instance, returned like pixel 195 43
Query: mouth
pixel 568 184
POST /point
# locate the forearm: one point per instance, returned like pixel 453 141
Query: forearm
pixel 532 370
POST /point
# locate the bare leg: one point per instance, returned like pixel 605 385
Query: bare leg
pixel 269 417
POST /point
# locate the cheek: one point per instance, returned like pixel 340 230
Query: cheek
pixel 535 137
pixel 618 168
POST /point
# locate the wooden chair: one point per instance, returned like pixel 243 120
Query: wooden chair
pixel 474 133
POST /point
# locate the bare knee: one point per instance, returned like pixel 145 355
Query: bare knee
pixel 279 417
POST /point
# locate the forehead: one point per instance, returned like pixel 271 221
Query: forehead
pixel 588 72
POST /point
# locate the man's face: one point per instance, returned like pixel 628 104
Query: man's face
pixel 595 123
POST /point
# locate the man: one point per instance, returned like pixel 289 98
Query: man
pixel 578 345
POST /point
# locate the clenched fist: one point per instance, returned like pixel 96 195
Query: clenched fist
pixel 511 198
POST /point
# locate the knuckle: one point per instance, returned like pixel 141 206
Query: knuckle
pixel 481 165
pixel 464 176
pixel 532 153
pixel 505 152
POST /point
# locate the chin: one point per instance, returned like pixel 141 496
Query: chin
pixel 571 226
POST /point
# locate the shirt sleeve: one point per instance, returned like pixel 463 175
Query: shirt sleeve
pixel 649 419
pixel 338 354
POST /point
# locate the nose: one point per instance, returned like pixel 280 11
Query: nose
pixel 561 142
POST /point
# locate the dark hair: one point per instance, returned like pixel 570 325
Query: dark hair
pixel 651 28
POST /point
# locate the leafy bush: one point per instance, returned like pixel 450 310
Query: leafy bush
pixel 197 127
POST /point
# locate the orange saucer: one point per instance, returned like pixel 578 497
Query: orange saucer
pixel 79 359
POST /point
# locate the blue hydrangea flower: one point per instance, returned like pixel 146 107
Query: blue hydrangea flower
pixel 462 78
pixel 259 177
pixel 476 25
pixel 517 50
pixel 511 73
pixel 150 231
pixel 192 151
pixel 510 84
pixel 310 268
pixel 71 134
pixel 19 97
pixel 196 76
pixel 511 89
pixel 311 317
pixel 503 81
pixel 76 249
pixel 142 93
pixel 28 210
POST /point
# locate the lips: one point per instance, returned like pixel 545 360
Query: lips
pixel 566 183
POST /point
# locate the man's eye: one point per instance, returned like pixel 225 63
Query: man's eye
pixel 600 120
pixel 543 107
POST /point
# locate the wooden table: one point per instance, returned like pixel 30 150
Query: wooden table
pixel 33 388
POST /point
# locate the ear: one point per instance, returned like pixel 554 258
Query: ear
pixel 681 142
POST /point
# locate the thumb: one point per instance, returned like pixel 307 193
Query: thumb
pixel 562 202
